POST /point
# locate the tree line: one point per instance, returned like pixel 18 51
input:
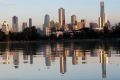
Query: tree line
pixel 32 34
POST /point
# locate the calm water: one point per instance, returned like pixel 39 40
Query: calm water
pixel 78 60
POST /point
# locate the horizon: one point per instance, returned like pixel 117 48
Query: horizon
pixel 34 9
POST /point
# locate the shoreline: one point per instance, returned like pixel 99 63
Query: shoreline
pixel 62 40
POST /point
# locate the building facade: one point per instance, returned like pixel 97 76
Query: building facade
pixel 15 23
pixel 5 27
pixel 30 22
pixel 61 12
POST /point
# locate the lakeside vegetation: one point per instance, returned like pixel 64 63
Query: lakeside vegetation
pixel 31 34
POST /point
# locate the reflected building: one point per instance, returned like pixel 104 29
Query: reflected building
pixel 63 65
pixel 31 56
pixel 84 57
pixel 47 53
pixel 25 55
pixel 6 57
pixel 67 52
pixel 16 59
pixel 25 58
pixel 58 48
pixel 75 56
pixel 103 61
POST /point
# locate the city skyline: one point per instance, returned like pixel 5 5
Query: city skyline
pixel 81 11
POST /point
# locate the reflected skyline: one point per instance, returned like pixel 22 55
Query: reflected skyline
pixel 64 53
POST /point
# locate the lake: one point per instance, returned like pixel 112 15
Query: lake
pixel 62 60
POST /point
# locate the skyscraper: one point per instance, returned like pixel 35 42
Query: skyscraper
pixel 15 23
pixel 73 19
pixel 102 15
pixel 47 21
pixel 99 22
pixel 30 22
pixel 74 22
pixel 61 12
pixel 83 23
pixel 46 25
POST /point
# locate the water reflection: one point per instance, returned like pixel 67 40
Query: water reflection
pixel 79 53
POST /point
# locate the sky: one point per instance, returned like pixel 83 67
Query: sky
pixel 36 9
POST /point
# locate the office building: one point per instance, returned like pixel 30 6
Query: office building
pixel 5 27
pixel 30 22
pixel 46 25
pixel 61 12
pixel 83 23
pixel 93 25
pixel 103 17
pixel 47 21
pixel 15 23
pixel 73 20
pixel 24 25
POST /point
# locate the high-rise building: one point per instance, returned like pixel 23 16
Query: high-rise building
pixel 61 12
pixel 99 22
pixel 46 25
pixel 30 22
pixel 5 27
pixel 102 15
pixel 83 23
pixel 15 23
pixel 47 21
pixel 47 51
pixel 93 25
pixel 24 25
pixel 73 20
pixel 52 24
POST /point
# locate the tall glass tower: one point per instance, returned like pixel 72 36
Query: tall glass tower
pixel 47 20
pixel 102 14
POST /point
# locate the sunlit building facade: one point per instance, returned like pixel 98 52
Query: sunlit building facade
pixel 5 27
pixel 61 12
pixel 103 17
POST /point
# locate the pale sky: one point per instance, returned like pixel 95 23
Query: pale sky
pixel 36 9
